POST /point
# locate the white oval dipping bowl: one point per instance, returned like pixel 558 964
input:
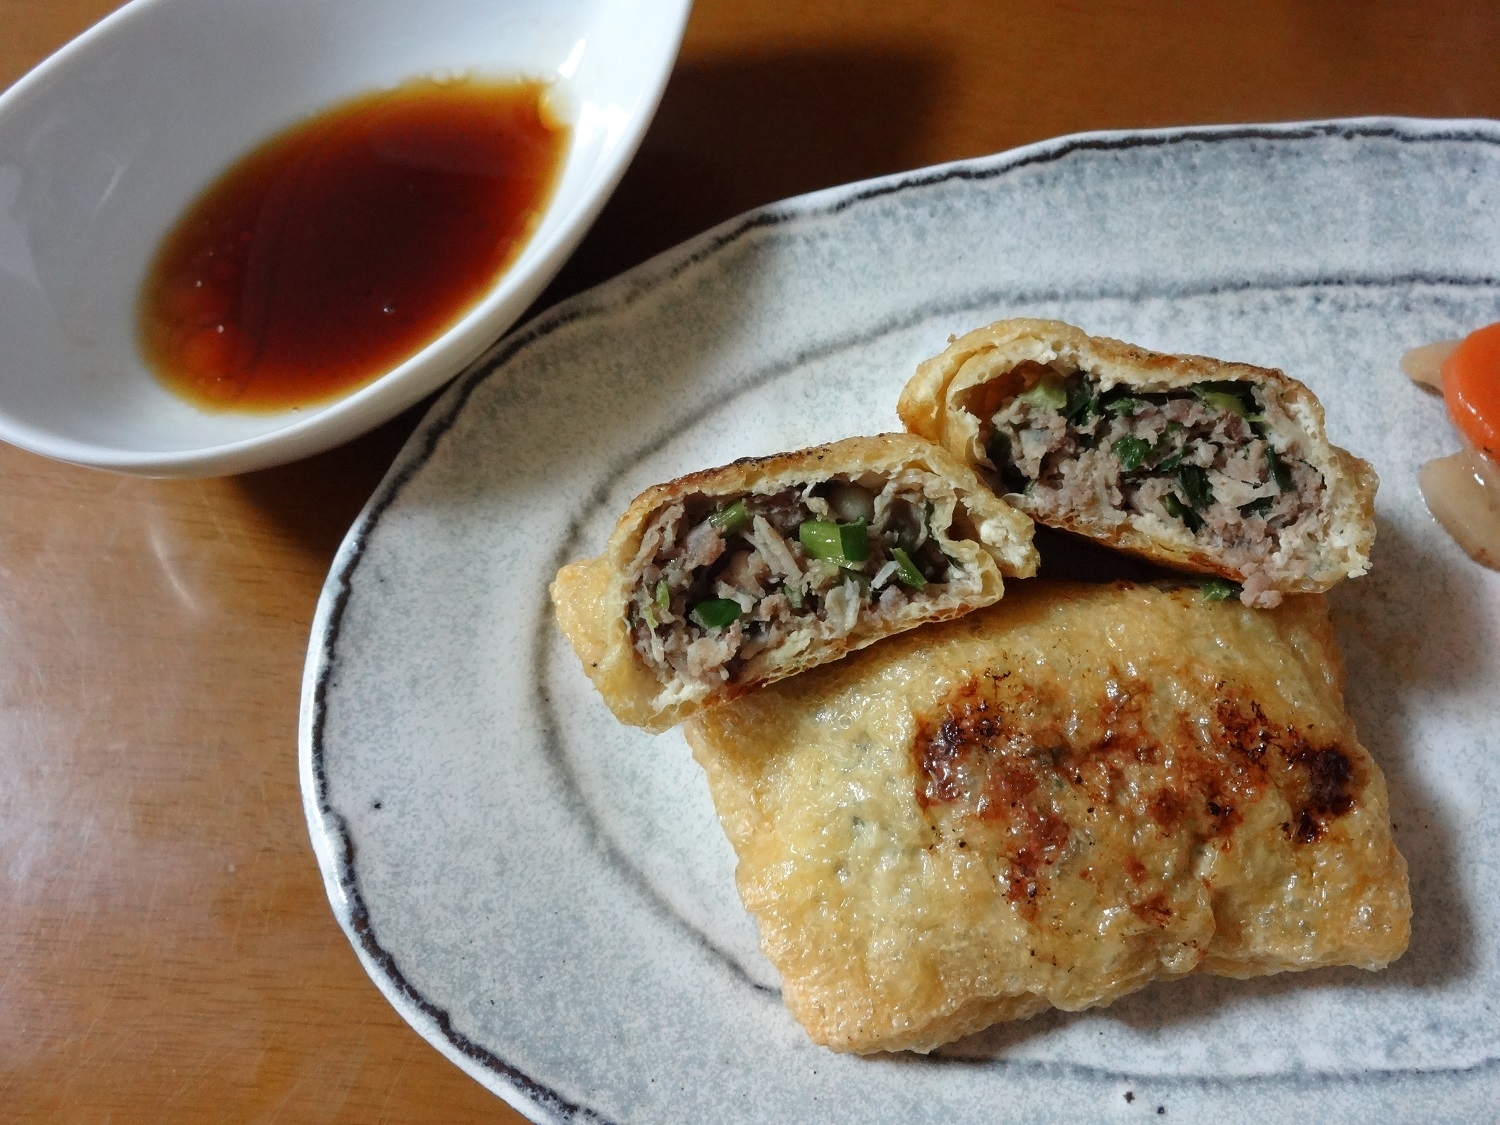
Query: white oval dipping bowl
pixel 106 143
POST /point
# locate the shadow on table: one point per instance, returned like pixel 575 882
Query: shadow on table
pixel 736 132
pixel 1411 639
pixel 315 500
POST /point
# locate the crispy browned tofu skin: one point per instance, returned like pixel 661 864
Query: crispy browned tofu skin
pixel 730 578
pixel 1193 462
pixel 1055 801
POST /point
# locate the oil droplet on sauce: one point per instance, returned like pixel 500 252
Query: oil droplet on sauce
pixel 339 248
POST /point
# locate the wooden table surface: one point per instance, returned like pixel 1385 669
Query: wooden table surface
pixel 168 953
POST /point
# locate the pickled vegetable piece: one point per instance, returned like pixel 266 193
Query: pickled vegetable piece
pixel 1471 388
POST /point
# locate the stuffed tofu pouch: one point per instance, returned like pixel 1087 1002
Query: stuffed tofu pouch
pixel 1053 802
pixel 1212 467
pixel 741 575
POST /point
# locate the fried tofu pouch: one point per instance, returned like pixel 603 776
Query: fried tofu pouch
pixel 739 576
pixel 1191 462
pixel 1054 801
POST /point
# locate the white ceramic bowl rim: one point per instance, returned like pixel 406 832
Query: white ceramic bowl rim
pixel 291 435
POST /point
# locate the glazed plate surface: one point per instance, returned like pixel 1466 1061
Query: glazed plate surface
pixel 547 897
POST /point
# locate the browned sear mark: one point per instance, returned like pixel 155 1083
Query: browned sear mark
pixel 1154 910
pixel 1015 759
pixel 1328 785
pixel 980 756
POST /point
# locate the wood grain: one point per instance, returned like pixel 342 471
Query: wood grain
pixel 168 953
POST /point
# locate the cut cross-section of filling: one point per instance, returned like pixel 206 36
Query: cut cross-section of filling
pixel 721 586
pixel 1218 458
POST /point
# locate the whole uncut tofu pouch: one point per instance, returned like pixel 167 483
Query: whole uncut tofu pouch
pixel 1195 463
pixel 1054 802
pixel 738 576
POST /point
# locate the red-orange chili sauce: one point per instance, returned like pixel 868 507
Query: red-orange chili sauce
pixel 339 248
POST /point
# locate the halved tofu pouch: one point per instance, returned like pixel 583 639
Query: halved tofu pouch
pixel 738 576
pixel 1195 463
pixel 1051 803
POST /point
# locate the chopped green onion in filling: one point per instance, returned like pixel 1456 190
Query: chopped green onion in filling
pixel 1123 404
pixel 1193 481
pixel 1090 452
pixel 731 519
pixel 1222 400
pixel 1050 391
pixel 1220 589
pixel 715 613
pixel 1131 451
pixel 1229 396
pixel 1180 511
pixel 841 543
pixel 825 560
pixel 1081 401
pixel 1279 472
pixel 906 572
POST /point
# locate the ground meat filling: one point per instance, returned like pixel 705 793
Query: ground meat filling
pixel 1214 457
pixel 722 581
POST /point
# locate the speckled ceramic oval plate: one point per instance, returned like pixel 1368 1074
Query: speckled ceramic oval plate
pixel 547 897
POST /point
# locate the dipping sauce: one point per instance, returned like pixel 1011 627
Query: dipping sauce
pixel 1462 491
pixel 339 248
